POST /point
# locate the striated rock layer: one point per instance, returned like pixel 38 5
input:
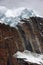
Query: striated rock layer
pixel 27 36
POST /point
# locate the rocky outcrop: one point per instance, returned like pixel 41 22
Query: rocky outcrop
pixel 26 36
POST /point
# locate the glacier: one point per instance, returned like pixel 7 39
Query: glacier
pixel 13 16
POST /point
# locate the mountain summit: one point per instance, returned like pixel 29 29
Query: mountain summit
pixel 13 16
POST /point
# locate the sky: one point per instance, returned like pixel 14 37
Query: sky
pixel 36 5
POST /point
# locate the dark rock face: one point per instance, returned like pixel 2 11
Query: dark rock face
pixel 33 33
pixel 10 42
pixel 28 36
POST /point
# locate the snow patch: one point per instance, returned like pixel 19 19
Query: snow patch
pixel 29 56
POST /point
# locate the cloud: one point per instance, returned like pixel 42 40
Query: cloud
pixel 37 5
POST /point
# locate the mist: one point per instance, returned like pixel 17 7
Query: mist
pixel 36 5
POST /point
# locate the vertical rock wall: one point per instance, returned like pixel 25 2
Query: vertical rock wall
pixel 28 36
